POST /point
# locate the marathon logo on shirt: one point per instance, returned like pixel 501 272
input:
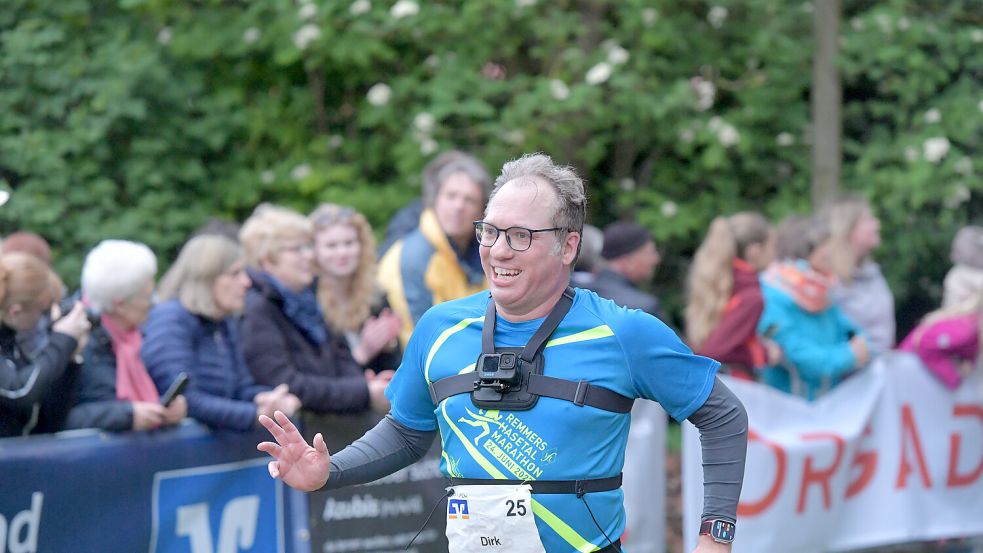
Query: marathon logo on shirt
pixel 511 442
pixel 458 508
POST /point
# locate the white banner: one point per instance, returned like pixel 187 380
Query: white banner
pixel 645 479
pixel 888 456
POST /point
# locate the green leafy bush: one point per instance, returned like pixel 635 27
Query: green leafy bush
pixel 140 118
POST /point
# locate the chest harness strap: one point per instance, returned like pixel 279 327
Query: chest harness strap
pixel 512 379
pixel 528 379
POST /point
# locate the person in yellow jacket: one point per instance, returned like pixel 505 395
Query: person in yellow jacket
pixel 439 260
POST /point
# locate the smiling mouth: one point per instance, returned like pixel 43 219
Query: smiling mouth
pixel 506 274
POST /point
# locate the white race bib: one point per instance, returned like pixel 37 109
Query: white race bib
pixel 492 518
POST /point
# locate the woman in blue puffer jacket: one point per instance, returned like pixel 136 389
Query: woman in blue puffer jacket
pixel 196 330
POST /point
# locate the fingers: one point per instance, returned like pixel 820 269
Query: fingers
pixel 281 390
pixel 319 444
pixel 274 428
pixel 274 469
pixel 288 427
pixel 269 447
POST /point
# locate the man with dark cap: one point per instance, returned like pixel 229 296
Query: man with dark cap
pixel 630 259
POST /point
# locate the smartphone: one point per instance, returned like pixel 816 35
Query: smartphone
pixel 176 389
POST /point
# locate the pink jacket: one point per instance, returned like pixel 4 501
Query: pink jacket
pixel 944 344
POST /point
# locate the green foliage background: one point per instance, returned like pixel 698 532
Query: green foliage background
pixel 141 118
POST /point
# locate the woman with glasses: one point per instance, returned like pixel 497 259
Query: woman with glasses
pixel 116 392
pixel 286 339
pixel 354 308
pixel 195 329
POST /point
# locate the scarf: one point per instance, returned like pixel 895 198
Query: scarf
pixel 303 311
pixel 808 288
pixel 133 382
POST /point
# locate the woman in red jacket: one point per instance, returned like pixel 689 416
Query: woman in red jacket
pixel 725 301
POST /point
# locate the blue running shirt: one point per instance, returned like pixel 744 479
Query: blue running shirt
pixel 623 350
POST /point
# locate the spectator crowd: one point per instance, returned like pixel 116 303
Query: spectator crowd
pixel 293 311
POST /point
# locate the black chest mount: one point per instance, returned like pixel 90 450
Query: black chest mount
pixel 512 378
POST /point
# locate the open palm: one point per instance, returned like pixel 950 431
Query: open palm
pixel 295 462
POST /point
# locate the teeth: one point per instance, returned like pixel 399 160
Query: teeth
pixel 506 273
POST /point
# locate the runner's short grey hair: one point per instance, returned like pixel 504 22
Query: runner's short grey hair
pixel 570 210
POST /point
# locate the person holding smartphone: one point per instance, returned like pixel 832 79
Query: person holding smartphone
pixel 195 329
pixel 116 392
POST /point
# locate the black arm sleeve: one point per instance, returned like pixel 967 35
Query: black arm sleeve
pixel 383 450
pixel 723 426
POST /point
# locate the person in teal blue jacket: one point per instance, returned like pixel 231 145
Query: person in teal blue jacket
pixel 821 345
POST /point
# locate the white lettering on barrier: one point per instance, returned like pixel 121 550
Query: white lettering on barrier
pixel 887 457
pixel 237 527
pixel 368 506
pixel 23 528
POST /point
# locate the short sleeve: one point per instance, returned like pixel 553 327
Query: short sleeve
pixel 662 367
pixel 408 392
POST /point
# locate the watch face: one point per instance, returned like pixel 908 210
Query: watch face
pixel 722 531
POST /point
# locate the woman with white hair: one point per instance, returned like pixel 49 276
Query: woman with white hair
pixel 195 329
pixel 116 392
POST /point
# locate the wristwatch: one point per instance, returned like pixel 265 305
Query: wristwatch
pixel 719 530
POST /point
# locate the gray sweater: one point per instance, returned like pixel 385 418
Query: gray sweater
pixel 868 302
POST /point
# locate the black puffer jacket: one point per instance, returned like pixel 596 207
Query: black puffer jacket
pixel 324 377
pixel 36 390
pixel 97 405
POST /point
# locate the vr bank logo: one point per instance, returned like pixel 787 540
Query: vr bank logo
pixel 457 508
pixel 230 508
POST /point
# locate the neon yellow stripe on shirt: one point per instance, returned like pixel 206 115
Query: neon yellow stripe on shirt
pixel 443 338
pixel 562 528
pixel 595 333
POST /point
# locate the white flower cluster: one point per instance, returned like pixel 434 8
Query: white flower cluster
pixel 717 16
pixel 706 92
pixel 726 133
pixel 514 136
pixel 669 209
pixel 601 71
pixel 404 8
pixel 360 7
pixel 650 16
pixel 306 35
pixel 379 95
pixel 964 166
pixel 164 36
pixel 307 11
pixel 301 172
pixel 559 90
pixel 960 194
pixel 251 35
pixel 935 148
pixel 423 127
pixel 933 116
pixel 616 54
pixel 599 74
pixel 785 139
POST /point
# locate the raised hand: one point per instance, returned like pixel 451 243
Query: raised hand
pixel 295 462
pixel 376 335
pixel 377 389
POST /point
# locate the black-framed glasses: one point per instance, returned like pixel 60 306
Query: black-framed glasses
pixel 518 238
